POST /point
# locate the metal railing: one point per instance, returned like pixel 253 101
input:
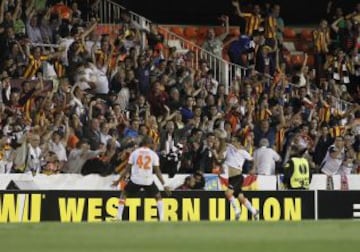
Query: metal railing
pixel 224 71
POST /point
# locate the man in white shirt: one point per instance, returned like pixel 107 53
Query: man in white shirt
pixel 265 158
pixel 34 153
pixel 234 161
pixel 334 157
pixel 142 162
pixel 78 156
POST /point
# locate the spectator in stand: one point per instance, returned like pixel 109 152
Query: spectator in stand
pixel 133 130
pixel 263 130
pixel 199 181
pixel 187 110
pixel 46 29
pixel 174 99
pixel 78 157
pixel 6 40
pixel 57 139
pixel 321 38
pixel 142 73
pixel 347 167
pixel 36 58
pixel 238 50
pixel 219 151
pixel 7 18
pixel 279 24
pixel 334 157
pixel 158 99
pixel 205 154
pixel 355 15
pixel 188 184
pixel 32 28
pixel 271 26
pixel 34 155
pixel 214 44
pixel 322 143
pixel 155 39
pixel 190 160
pixel 265 62
pixel 253 19
pixel 92 133
pixel 265 159
pixel 19 58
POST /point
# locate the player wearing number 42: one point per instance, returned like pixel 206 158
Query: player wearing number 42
pixel 142 162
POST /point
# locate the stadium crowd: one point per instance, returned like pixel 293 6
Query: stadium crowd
pixel 83 105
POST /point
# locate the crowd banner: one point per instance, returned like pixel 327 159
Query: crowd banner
pixel 97 206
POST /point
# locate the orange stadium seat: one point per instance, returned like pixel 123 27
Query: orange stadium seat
pixel 177 30
pixel 306 34
pixel 202 32
pixel 311 60
pixel 289 33
pixel 235 32
pixel 190 32
pixel 64 11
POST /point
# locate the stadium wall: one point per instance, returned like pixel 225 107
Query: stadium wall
pixel 99 206
pixel 212 182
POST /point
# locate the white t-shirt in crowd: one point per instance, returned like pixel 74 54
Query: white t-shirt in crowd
pixel 102 82
pixel 142 161
pixel 264 160
pixel 65 43
pixel 331 166
pixel 59 149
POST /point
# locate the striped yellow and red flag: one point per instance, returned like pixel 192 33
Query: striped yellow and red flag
pixel 250 183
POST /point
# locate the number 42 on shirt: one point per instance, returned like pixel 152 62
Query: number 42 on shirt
pixel 143 162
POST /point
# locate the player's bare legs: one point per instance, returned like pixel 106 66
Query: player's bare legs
pixel 122 200
pixel 159 203
pixel 229 194
pixel 248 205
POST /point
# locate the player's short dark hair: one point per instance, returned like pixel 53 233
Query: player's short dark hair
pixel 146 140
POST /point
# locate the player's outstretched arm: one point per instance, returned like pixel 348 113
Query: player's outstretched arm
pixel 125 171
pixel 162 181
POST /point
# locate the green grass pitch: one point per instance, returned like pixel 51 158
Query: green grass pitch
pixel 305 236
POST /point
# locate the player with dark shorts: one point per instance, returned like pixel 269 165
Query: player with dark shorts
pixel 142 162
pixel 234 161
pixel 235 184
pixel 132 189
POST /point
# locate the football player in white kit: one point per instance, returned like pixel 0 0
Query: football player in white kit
pixel 234 161
pixel 142 162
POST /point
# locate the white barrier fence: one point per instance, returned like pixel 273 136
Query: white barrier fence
pixel 96 182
